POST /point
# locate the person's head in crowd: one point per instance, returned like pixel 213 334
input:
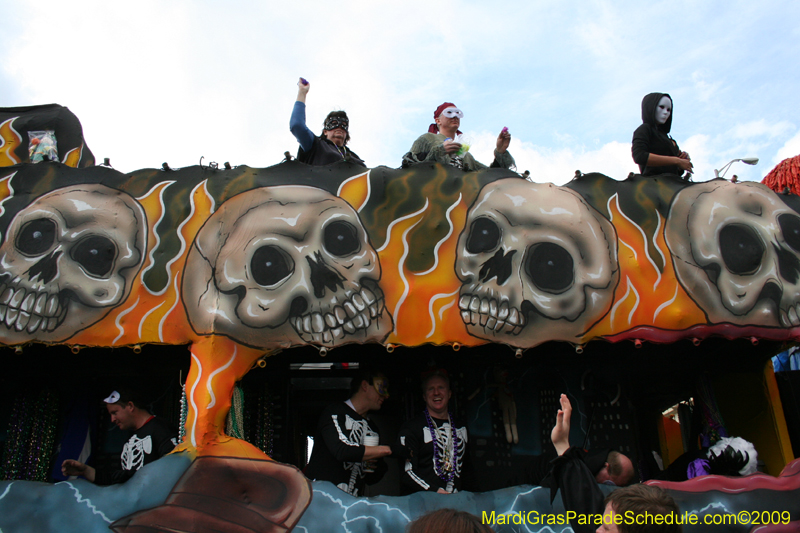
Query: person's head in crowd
pixel 436 393
pixel 336 128
pixel 448 521
pixel 447 119
pixel 618 469
pixel 126 408
pixel 369 387
pixel 635 501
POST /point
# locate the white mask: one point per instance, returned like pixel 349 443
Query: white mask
pixel 451 112
pixel 663 109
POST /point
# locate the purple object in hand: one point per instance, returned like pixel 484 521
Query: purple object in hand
pixel 505 129
pixel 303 81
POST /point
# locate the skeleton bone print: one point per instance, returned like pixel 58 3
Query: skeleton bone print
pixel 357 429
pixel 134 451
pixel 441 444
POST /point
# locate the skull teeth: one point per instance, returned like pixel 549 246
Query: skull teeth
pixel 31 311
pixel 491 316
pixel 791 317
pixel 357 313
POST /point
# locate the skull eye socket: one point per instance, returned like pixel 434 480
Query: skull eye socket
pixel 550 267
pixel 790 226
pixel 741 249
pixel 341 239
pixel 484 236
pixel 36 236
pixel 95 254
pixel 270 265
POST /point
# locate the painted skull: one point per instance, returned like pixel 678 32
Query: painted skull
pixel 67 260
pixel 286 265
pixel 736 251
pixel 537 263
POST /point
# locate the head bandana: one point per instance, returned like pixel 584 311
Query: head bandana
pixel 433 128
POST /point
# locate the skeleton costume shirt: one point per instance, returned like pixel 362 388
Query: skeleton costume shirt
pixel 155 439
pixel 424 465
pixel 338 450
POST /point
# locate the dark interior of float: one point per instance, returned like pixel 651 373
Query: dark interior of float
pixel 620 392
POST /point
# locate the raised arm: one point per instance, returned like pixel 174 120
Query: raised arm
pixel 560 434
pixel 297 124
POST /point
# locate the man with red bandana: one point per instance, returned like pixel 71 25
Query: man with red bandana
pixel 440 144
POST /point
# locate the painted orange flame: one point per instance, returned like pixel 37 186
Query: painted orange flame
pixel 423 304
pixel 647 295
pixel 147 316
pixel 9 140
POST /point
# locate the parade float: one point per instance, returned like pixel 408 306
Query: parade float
pixel 251 294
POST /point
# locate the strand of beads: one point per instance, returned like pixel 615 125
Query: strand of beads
pixel 184 413
pixel 439 467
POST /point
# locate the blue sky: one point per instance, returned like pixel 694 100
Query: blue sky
pixel 173 81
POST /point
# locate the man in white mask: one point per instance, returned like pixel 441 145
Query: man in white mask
pixel 652 148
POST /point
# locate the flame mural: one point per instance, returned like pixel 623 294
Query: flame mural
pixel 406 279
pixel 240 263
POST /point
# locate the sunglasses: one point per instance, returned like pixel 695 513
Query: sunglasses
pixel 334 123
pixel 452 112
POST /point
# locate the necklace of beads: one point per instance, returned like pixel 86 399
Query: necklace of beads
pixel 445 468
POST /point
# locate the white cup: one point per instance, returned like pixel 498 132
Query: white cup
pixel 371 440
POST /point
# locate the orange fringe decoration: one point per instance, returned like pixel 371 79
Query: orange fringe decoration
pixel 785 174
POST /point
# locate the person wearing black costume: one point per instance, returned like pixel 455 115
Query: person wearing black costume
pixel 433 446
pixel 331 145
pixel 581 493
pixel 652 148
pixel 339 454
pixel 608 466
pixel 152 439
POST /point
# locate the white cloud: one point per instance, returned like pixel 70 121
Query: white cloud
pixel 154 81
pixel 558 166
pixel 791 148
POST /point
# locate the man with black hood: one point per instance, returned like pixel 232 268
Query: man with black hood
pixel 653 149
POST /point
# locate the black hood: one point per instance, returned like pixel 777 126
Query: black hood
pixel 649 104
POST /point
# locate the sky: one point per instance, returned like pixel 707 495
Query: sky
pixel 174 81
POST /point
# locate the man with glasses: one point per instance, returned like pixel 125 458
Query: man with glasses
pixel 442 145
pixel 345 444
pixel 331 145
